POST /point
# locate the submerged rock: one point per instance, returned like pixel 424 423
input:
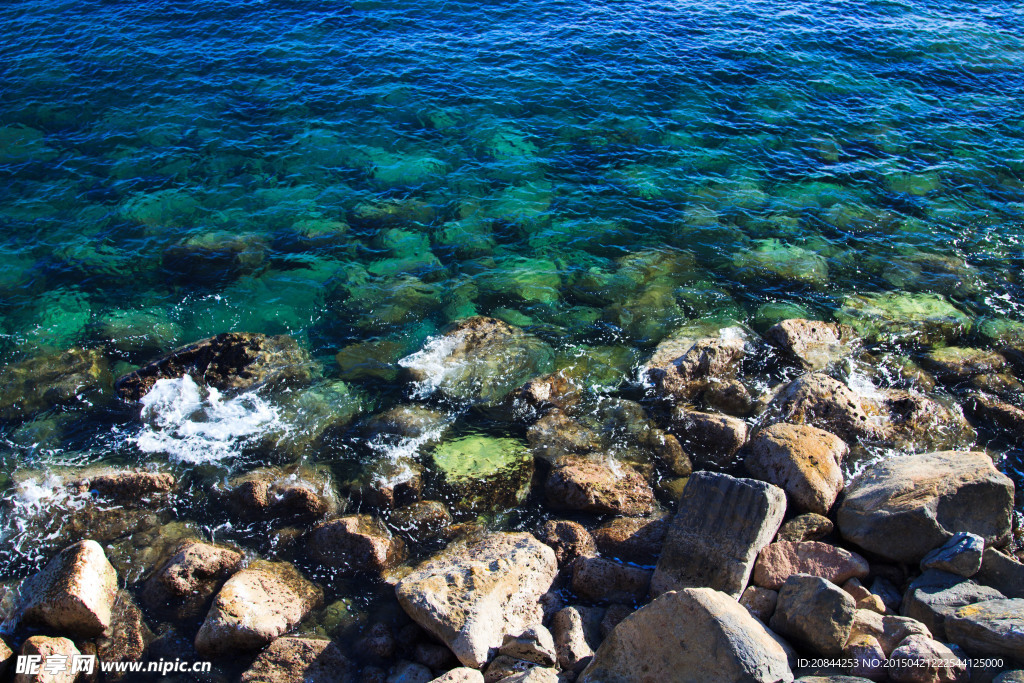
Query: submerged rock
pixel 812 344
pixel 904 318
pixel 577 483
pixel 773 260
pixel 479 361
pixel 233 360
pixel 65 379
pixel 904 507
pixel 183 586
pixel 473 594
pixel 918 423
pixel 722 642
pixel 484 472
pixel 710 438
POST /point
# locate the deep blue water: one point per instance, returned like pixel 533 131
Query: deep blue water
pixel 365 171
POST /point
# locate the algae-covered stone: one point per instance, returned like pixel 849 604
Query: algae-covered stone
pixel 172 207
pixel 211 257
pixel 20 144
pixel 72 377
pixel 529 280
pixel 773 260
pixel 479 361
pixel 62 317
pixel 904 318
pixel 484 472
pixel 134 330
pixel 371 360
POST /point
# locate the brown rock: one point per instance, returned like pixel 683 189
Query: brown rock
pixel 296 493
pixel 721 524
pixel 729 397
pixel 820 401
pixel 128 487
pixel 803 461
pixel 590 486
pixel 814 612
pixel 556 434
pixel 919 423
pixel 686 376
pixel 760 602
pixel 233 360
pixel 360 543
pixel 632 539
pixel 421 521
pixel 299 660
pixel 888 630
pixel 462 674
pixel 778 561
pixel 989 409
pixel 183 586
pixel 598 579
pixel 613 616
pixel 709 438
pixel 807 527
pixel 904 507
pixel 568 539
pixel 128 636
pixel 72 377
pixel 554 390
pixel 42 646
pixel 812 344
pixel 867 656
pixel 74 594
pixel 434 656
pixel 535 644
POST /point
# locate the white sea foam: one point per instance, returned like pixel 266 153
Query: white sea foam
pixel 197 425
pixel 401 453
pixel 432 363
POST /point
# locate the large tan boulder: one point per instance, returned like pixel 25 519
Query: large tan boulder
pixel 474 593
pixel 74 593
pixel 812 344
pixel 903 507
pixel 299 660
pixel 44 647
pixel 803 461
pixel 778 561
pixel 184 584
pixel 720 526
pixel 255 606
pixel 696 634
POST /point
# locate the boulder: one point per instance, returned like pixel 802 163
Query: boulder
pixel 576 631
pixel 423 520
pixel 462 674
pixel 229 361
pixel 823 402
pixel 807 527
pixel 812 344
pixel 959 555
pixel 904 318
pixel 720 526
pixel 45 647
pixel 760 602
pixel 956 364
pixel 535 644
pixel 1002 573
pixel 128 486
pixel 710 438
pixel 255 606
pixel 778 561
pixel 598 579
pixel 69 378
pixel 993 411
pixel 889 630
pixel 475 593
pixel 585 485
pixel 557 434
pixel 558 390
pixel 990 627
pixel 935 595
pixel 568 539
pixel 903 507
pixel 803 461
pixel 182 587
pixel 632 539
pixel 484 473
pixel 696 634
pixel 296 493
pixel 128 637
pixel 867 656
pixel 74 593
pixel 358 543
pixel 815 613
pixel 299 660
pixel 478 360
pixel 914 422
pixel 920 659
pixel 695 365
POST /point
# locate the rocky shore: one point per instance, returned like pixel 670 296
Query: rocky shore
pixel 746 508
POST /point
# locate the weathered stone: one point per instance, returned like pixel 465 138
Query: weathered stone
pixel 556 434
pixel 760 602
pixel 721 642
pixel 409 672
pixel 820 401
pixel 615 613
pixel 42 646
pixel 6 657
pixel 935 595
pixel 183 586
pixel 803 461
pixel 812 344
pixel 233 360
pixel 806 527
pixel 989 409
pixel 598 579
pixel 127 487
pixel 359 543
pixel 953 364
pixel 721 524
pixel 577 635
pixel 873 603
pixel 922 660
pixel 915 423
pixel 867 656
pixel 568 539
pixel 903 317
pixel 778 561
pixel 590 486
pixel 462 674
pixel 632 539
pixel 555 390
pixel 889 630
pixel 814 612
pixel 709 438
pixel 295 493
pixel 299 660
pixel 255 606
pixel 74 593
pixel 888 592
pixel 1002 573
pixel 474 594
pixel 423 520
pixel 478 360
pixel 484 473
pixel 959 555
pixel 903 507
pixel 685 375
pixel 72 377
pixel 503 667
pixel 990 627
pixel 729 396
pixel 535 644
pixel 128 636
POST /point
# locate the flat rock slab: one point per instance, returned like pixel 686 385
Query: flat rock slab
pixel 719 528
pixel 473 594
pixel 696 634
pixel 905 506
pixel 993 627
pixel 932 597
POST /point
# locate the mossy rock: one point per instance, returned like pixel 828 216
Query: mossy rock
pixel 484 473
pixel 19 144
pixel 773 260
pixel 904 318
pixel 174 207
pixel 527 279
pixel 135 330
pixel 63 318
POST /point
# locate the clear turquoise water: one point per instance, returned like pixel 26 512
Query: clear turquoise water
pixel 371 171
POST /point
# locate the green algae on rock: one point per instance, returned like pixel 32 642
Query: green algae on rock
pixel 904 318
pixel 53 380
pixel 484 473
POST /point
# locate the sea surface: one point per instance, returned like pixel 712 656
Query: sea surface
pixel 360 174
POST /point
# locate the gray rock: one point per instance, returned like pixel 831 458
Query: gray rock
pixel 535 644
pixel 696 634
pixel 814 612
pixel 409 672
pixel 719 528
pixel 503 666
pixel 992 627
pixel 537 674
pixel 577 634
pixel 601 580
pixel 903 507
pixel 1002 573
pixel 935 595
pixel 959 555
pixel 462 674
pixel 359 543
pixel 920 659
pixel 183 586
